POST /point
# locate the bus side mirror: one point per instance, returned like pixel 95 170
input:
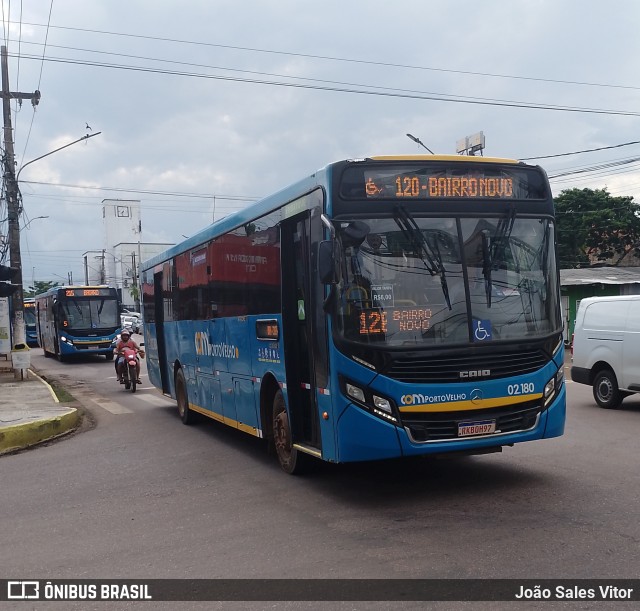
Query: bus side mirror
pixel 329 262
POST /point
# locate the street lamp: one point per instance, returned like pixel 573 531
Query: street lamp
pixel 13 198
pixel 86 137
pixel 35 218
pixel 418 141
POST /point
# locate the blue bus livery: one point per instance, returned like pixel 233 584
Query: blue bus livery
pixel 74 320
pixel 380 308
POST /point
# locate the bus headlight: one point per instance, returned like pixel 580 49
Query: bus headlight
pixel 66 340
pixel 549 387
pixel 553 386
pixel 376 404
pixel 382 403
pixel 355 392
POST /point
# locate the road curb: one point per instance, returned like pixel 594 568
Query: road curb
pixel 49 387
pixel 20 436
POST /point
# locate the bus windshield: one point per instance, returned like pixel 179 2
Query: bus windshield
pixel 29 316
pixel 93 313
pixel 442 280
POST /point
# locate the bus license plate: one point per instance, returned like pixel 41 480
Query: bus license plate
pixel 93 347
pixel 469 429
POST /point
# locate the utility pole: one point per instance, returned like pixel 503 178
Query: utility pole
pixel 134 282
pixel 13 196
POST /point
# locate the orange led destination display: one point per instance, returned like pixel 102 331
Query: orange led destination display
pixel 88 293
pixel 391 321
pixel 417 186
pixel 443 181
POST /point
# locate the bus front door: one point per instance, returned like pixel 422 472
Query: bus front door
pixel 298 331
pixel 158 290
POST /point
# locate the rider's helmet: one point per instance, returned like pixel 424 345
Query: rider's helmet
pixel 125 332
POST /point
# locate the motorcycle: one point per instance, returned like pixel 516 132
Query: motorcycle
pixel 129 373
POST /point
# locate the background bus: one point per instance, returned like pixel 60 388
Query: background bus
pixel 385 307
pixel 30 322
pixel 74 320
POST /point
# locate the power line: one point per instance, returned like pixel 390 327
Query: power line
pixel 602 148
pixel 339 59
pixel 44 49
pixel 259 73
pixel 338 89
pixel 595 168
pixel 145 191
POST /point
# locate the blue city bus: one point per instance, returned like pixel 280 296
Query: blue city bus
pixel 77 320
pixel 30 322
pixel 384 307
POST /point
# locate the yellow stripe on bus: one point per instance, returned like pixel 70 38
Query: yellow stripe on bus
pixel 252 430
pixel 455 406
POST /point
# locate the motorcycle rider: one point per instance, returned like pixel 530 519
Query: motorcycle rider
pixel 126 342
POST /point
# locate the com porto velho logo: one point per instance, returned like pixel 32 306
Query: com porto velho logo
pixel 204 347
pixel 420 399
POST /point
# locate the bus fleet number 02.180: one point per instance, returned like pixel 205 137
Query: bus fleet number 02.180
pixel 521 389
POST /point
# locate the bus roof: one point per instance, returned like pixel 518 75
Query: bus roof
pixel 451 158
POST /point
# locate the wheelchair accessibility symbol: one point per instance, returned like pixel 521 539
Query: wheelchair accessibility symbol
pixel 482 330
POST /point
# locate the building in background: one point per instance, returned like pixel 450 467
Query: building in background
pixel 603 281
pixel 122 224
pixel 117 263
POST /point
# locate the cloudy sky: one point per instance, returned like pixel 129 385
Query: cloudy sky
pixel 205 105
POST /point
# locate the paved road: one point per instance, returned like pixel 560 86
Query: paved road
pixel 141 495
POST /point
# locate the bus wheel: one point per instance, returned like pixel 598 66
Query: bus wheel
pixel 186 415
pixel 291 460
pixel 605 390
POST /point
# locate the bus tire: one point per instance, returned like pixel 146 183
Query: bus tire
pixel 605 389
pixel 186 415
pixel 291 460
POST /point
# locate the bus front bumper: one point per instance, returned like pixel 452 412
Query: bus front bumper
pixel 361 436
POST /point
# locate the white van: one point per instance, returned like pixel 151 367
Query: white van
pixel 606 347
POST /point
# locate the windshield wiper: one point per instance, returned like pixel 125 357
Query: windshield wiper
pixel 545 246
pixel 490 248
pixel 487 264
pixel 503 231
pixel 428 254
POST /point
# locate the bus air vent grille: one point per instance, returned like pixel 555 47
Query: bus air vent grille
pixel 448 369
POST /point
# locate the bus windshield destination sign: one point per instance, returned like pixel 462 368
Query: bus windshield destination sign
pixel 381 322
pixel 449 186
pixel 402 182
pixel 87 293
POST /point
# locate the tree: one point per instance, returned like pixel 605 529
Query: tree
pixel 40 286
pixel 134 291
pixel 595 226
